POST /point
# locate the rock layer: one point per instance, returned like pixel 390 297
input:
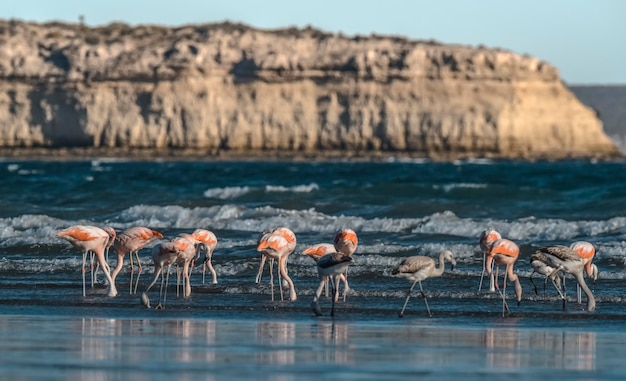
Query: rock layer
pixel 229 87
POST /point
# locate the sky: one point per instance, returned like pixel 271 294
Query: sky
pixel 584 39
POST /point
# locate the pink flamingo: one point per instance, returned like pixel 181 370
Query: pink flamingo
pixel 346 242
pixel 210 240
pixel 276 246
pixel 418 268
pixel 182 249
pixel 131 241
pixel 290 237
pixel 188 247
pixel 587 252
pixel 487 237
pixel 504 252
pixel 94 273
pixel 90 238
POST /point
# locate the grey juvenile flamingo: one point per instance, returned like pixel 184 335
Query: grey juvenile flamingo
pixel 418 268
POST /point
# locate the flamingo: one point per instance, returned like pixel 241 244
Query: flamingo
pixel 587 252
pixel 330 265
pixel 487 237
pixel 346 242
pixel 210 240
pixel 504 252
pixel 563 258
pixel 163 254
pixel 94 239
pixel 182 249
pixel 189 250
pixel 289 236
pixel 318 251
pixel 131 241
pixel 541 265
pixel 276 246
pixel 418 268
pixel 112 234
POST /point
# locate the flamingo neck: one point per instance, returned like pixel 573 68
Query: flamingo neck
pixel 440 266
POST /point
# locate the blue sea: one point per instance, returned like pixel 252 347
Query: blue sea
pixel 233 330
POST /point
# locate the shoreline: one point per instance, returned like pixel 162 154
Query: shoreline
pixel 149 154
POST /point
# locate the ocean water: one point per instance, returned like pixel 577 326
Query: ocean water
pixel 233 329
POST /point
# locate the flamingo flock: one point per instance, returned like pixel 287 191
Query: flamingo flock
pixel 331 261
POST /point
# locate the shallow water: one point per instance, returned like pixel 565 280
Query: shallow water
pixel 188 349
pixel 233 330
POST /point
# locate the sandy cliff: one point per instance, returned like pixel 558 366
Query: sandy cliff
pixel 231 88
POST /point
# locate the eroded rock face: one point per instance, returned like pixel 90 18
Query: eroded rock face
pixel 231 87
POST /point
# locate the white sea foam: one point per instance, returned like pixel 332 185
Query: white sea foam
pixel 227 193
pixel 26 172
pixel 13 167
pixel 41 229
pixel 450 187
pixel 296 188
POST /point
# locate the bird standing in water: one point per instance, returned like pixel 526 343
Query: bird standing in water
pixel 563 258
pixel 418 268
pixel 210 240
pixel 290 236
pixel 90 238
pixel 346 242
pixel 487 237
pixel 587 252
pixel 330 265
pixel 541 265
pixel 318 251
pixel 504 252
pixel 276 246
pixel 131 241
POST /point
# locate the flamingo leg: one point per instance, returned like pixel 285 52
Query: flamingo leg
pixel 186 279
pixel 130 285
pixel 533 282
pixel 345 280
pixel 561 295
pixel 167 281
pixel 272 277
pixel 139 269
pixel 408 295
pixel 84 275
pixel 92 267
pixel 260 273
pixel 425 299
pixel 178 275
pixel 315 304
pixel 332 280
pixel 144 297
pixel 505 306
pixel 346 287
pixel 285 274
pixel 160 305
pixel 493 284
pixel 326 290
pixel 107 273
pixel 335 290
pixel 280 279
pixel 212 270
pixel 482 274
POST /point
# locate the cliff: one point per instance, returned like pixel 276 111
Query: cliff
pixel 231 88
